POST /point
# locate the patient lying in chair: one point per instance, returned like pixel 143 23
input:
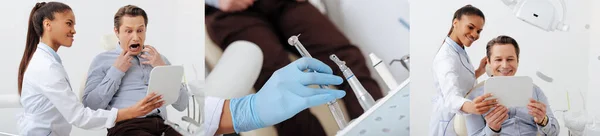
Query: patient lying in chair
pixel 536 118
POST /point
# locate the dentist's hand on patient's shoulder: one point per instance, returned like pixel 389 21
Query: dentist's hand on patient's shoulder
pixel 141 108
pixel 153 57
pixel 285 94
pixel 123 62
pixel 481 69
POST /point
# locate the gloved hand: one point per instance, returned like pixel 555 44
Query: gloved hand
pixel 284 95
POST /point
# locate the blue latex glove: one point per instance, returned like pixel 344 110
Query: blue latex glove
pixel 284 95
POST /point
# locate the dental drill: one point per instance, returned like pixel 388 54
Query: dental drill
pixel 334 107
pixel 364 98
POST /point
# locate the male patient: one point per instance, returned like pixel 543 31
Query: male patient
pixel 535 119
pixel 119 78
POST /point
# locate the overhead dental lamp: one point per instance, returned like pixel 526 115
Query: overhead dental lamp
pixel 539 13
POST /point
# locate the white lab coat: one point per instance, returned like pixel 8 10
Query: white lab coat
pixel 50 106
pixel 212 111
pixel 454 76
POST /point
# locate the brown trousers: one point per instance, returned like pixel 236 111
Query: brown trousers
pixel 269 23
pixel 149 126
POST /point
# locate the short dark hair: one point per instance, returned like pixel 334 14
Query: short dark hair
pixel 129 10
pixel 502 39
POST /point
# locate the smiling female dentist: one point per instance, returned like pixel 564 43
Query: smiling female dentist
pixel 50 106
pixel 454 74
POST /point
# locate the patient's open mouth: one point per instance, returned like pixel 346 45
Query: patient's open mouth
pixel 134 47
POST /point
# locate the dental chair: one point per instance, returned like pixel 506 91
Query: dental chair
pixel 241 63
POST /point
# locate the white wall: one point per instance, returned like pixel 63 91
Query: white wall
pixel 560 55
pixel 174 29
pixel 594 59
pixel 374 26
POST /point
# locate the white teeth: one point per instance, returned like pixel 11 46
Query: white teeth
pixel 504 72
pixel 469 38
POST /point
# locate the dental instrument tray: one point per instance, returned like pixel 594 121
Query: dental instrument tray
pixel 388 117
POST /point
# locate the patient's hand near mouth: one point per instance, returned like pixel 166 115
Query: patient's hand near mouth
pixel 153 57
pixel 123 61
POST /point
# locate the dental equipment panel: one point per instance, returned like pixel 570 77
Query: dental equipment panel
pixel 334 107
pixel 365 99
pixel 388 117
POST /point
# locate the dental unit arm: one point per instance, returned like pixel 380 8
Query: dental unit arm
pixel 334 107
pixel 364 98
pixel 539 13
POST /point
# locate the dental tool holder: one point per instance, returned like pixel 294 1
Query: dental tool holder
pixel 388 117
pixel 334 107
pixel 405 61
pixel 365 99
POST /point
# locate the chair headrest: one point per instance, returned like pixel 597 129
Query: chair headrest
pixel 109 41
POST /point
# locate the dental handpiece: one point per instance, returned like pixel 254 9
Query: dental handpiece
pixel 383 71
pixel 365 99
pixel 334 107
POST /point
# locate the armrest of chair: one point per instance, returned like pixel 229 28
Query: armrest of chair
pixel 460 125
pixel 10 101
pixel 241 62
